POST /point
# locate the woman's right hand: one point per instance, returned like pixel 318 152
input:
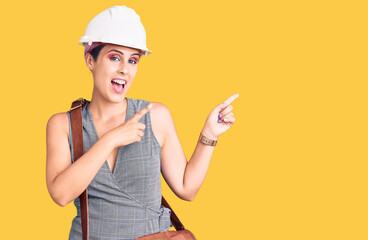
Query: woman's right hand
pixel 131 130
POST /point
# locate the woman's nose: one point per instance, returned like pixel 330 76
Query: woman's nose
pixel 123 68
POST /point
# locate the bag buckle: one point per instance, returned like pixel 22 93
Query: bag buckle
pixel 80 102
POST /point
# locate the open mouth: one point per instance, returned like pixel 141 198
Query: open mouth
pixel 118 85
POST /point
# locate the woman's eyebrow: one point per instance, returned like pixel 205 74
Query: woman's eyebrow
pixel 114 50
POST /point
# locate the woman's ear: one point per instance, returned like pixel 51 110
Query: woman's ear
pixel 90 61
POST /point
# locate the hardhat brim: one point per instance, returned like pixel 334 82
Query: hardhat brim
pixel 146 52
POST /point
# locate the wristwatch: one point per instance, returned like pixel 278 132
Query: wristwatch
pixel 207 141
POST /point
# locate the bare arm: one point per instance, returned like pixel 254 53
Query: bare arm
pixel 185 178
pixel 66 181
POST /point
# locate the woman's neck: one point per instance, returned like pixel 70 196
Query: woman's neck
pixel 105 110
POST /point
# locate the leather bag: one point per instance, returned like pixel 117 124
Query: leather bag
pixel 76 124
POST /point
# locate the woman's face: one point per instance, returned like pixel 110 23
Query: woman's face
pixel 114 71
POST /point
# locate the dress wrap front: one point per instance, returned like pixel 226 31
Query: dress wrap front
pixel 125 203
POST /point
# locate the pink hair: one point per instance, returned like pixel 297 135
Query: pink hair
pixel 88 48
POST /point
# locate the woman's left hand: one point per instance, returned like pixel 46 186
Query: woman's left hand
pixel 220 119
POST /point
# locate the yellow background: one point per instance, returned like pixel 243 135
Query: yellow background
pixel 294 165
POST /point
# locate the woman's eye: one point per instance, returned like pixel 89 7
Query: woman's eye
pixel 133 61
pixel 114 59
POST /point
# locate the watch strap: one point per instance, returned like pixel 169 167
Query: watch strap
pixel 207 141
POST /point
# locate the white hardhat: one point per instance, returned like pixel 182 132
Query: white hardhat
pixel 118 25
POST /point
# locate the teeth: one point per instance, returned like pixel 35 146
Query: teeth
pixel 121 82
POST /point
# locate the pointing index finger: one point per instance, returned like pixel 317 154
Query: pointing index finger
pixel 231 99
pixel 141 113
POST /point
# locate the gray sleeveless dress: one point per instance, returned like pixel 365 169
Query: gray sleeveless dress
pixel 125 203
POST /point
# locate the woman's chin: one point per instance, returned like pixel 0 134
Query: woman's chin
pixel 117 98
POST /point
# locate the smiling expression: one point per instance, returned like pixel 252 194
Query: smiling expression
pixel 114 71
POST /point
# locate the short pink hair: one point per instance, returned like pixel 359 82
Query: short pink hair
pixel 88 48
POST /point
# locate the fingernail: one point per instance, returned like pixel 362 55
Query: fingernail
pixel 225 120
pixel 220 115
pixel 219 120
pixel 149 105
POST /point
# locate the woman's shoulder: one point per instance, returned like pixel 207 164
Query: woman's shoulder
pixel 161 120
pixel 160 115
pixel 156 106
pixel 160 107
pixel 58 122
pixel 160 110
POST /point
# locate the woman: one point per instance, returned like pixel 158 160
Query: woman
pixel 127 142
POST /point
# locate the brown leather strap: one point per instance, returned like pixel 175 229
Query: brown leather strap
pixel 77 134
pixel 174 219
